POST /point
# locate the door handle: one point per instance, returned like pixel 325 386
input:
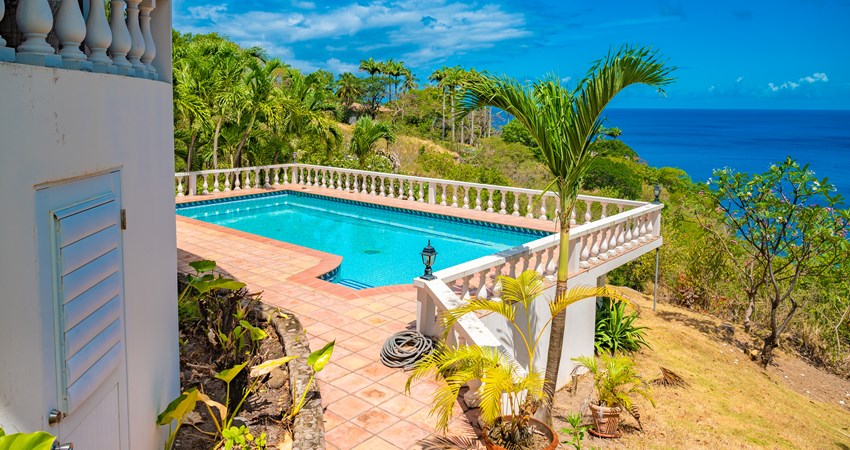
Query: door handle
pixel 58 446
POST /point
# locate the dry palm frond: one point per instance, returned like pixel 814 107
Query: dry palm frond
pixel 450 443
pixel 670 379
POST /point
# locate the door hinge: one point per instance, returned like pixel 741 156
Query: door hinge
pixel 123 219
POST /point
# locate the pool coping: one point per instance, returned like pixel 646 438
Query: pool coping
pixel 329 262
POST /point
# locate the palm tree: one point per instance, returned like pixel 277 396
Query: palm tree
pixel 453 78
pixel 439 76
pixel 257 98
pixel 348 88
pixel 370 66
pixel 564 124
pixel 367 133
pixel 612 132
pixel 190 111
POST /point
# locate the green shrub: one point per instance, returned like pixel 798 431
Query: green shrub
pixel 619 176
pixel 514 131
pixel 616 331
pixel 610 147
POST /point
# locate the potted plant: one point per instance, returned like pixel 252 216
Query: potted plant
pixel 510 392
pixel 616 383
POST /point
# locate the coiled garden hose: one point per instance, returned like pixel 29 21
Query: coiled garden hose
pixel 405 348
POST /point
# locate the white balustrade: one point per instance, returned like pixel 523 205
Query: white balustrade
pixel 35 20
pixel 121 39
pixel 149 54
pixel 137 39
pixel 6 54
pixel 98 38
pixel 71 31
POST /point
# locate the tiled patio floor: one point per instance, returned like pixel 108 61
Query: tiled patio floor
pixel 366 407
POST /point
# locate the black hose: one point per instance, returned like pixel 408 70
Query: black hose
pixel 405 348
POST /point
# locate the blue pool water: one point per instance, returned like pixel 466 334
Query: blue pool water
pixel 379 245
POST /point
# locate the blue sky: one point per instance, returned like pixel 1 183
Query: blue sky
pixel 744 54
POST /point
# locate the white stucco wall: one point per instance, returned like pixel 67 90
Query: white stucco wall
pixel 58 124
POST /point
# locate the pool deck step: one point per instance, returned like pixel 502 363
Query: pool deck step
pixel 354 284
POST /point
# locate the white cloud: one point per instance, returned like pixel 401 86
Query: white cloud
pixel 423 31
pixel 814 78
pixel 566 79
pixel 336 66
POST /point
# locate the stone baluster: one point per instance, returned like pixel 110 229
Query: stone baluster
pixel 149 54
pixel 372 191
pixel 381 189
pixel 443 201
pixel 516 206
pixel 35 20
pixel 71 30
pixel 529 210
pixel 285 175
pixel 464 287
pixel 215 184
pixel 573 215
pixel 236 181
pixel 482 285
pixel 649 227
pixel 180 187
pixel 227 183
pixel 478 199
pixel 497 284
pixel 552 267
pixel 627 243
pixel 137 40
pixel 604 210
pixel 503 205
pixel 7 54
pixel 325 178
pixel 267 184
pixel 421 198
pixel 465 198
pixel 454 195
pixel 642 236
pixel 603 245
pixel 410 191
pixel 277 176
pixel 490 194
pixel 585 252
pixel 587 211
pixel 594 250
pixel 543 209
pixel 205 187
pixel 248 184
pixel 612 242
pixel 121 39
pixel 621 237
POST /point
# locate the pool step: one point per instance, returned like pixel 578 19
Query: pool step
pixel 354 284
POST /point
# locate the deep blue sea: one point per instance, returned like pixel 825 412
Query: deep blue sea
pixel 700 140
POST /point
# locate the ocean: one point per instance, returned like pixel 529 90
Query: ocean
pixel 701 140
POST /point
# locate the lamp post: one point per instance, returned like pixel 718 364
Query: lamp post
pixel 429 255
pixel 657 191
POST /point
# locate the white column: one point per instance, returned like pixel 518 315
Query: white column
pixel 121 40
pixel 137 40
pixel 150 48
pixel 98 38
pixel 71 30
pixel 35 20
pixel 6 54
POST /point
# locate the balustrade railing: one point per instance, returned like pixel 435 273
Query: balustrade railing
pixel 123 45
pixel 530 203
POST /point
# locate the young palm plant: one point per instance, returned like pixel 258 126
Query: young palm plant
pixel 367 133
pixel 503 379
pixel 564 123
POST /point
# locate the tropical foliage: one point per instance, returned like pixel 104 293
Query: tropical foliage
pixel 616 381
pixel 616 331
pixel 564 124
pixel 499 373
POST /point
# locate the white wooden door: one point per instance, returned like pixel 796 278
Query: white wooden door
pixel 80 262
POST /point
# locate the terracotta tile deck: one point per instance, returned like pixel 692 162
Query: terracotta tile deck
pixel 366 406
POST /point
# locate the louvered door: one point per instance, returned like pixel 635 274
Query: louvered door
pixel 88 312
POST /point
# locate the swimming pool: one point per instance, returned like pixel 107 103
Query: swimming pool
pixel 379 245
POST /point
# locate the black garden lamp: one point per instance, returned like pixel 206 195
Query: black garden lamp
pixel 429 255
pixel 657 191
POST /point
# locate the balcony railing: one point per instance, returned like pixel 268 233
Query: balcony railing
pixel 73 34
pixel 605 233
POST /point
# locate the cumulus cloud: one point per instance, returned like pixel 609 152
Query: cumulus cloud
pixel 817 77
pixel 814 78
pixel 416 31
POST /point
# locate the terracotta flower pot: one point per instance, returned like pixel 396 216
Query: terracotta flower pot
pixel 548 433
pixel 606 421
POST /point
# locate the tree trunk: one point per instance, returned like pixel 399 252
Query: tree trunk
pixel 453 117
pixel 772 340
pixel 215 142
pixel 444 114
pixel 190 152
pixel 556 336
pixel 472 128
pixel 751 309
pixel 238 161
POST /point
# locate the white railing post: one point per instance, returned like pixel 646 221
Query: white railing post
pixel 426 312
pixel 35 20
pixel 145 10
pixel 432 193
pixel 71 30
pixel 121 39
pixel 193 184
pixel 98 38
pixel 137 39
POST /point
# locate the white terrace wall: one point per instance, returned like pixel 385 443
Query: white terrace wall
pixel 58 124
